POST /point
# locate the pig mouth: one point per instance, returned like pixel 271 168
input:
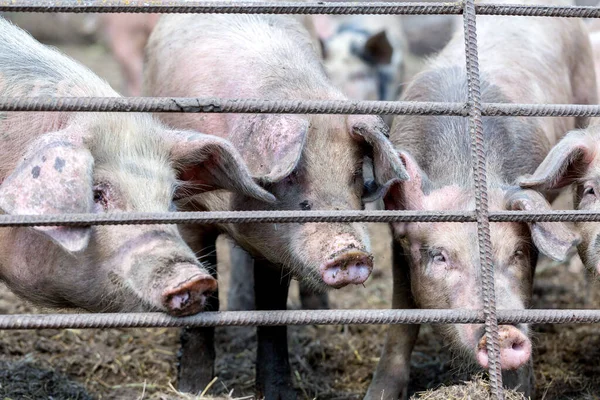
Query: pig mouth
pixel 189 297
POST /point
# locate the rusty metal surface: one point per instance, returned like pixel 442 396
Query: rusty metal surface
pixel 484 240
pixel 291 7
pixel 259 106
pixel 292 317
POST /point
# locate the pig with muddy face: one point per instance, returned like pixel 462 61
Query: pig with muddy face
pixel 534 61
pixel 309 162
pixel 95 163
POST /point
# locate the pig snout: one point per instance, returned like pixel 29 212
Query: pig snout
pixel 188 296
pixel 350 266
pixel 515 349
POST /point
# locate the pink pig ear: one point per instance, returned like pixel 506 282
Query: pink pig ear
pixel 565 163
pixel 387 164
pixel 271 145
pixel 55 177
pixel 208 163
pixel 553 239
pixel 408 194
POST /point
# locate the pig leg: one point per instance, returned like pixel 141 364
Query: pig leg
pixel 390 381
pixel 521 380
pixel 273 373
pixel 311 300
pixel 240 296
pixel 196 356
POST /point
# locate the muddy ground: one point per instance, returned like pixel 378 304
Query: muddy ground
pixel 328 362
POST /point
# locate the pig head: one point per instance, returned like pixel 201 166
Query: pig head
pixel 130 167
pixel 444 258
pixel 313 164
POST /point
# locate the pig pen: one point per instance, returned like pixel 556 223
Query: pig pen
pixel 328 362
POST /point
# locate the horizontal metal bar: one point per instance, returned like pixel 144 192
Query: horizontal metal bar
pixel 292 317
pixel 244 217
pixel 230 7
pixel 234 217
pixel 217 105
pixel 291 7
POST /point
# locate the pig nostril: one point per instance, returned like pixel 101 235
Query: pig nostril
pixel 517 346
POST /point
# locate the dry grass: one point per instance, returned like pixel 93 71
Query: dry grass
pixel 476 389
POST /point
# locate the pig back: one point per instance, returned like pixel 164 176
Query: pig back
pixel 28 68
pixel 538 60
pixel 231 56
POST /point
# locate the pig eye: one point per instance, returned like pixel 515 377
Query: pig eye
pixel 101 196
pixel 520 252
pixel 589 190
pixel 437 256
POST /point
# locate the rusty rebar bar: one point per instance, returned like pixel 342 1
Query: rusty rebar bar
pixel 259 106
pixel 292 317
pixel 288 217
pixel 478 159
pixel 292 7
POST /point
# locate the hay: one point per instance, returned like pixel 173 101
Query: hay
pixel 476 389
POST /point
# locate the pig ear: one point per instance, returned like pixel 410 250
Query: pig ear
pixel 554 239
pixel 566 162
pixel 208 163
pixel 271 145
pixel 378 49
pixel 387 165
pixel 54 178
pixel 407 194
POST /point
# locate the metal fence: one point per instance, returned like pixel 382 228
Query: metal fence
pixel 473 109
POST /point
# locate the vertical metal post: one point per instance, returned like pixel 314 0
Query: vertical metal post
pixel 481 198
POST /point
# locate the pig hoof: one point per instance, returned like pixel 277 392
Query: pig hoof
pixel 190 296
pixel 352 266
pixel 515 349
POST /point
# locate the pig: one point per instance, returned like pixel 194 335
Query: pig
pixel 126 36
pixel 533 60
pixel 363 55
pixel 61 163
pixel 574 162
pixel 306 161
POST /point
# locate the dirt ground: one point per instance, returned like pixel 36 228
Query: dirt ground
pixel 328 362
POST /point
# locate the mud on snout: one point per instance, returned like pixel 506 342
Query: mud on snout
pixel 164 273
pixel 515 346
pixel 342 253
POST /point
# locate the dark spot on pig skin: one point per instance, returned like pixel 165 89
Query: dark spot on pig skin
pixel 305 205
pixel 59 164
pixel 35 171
